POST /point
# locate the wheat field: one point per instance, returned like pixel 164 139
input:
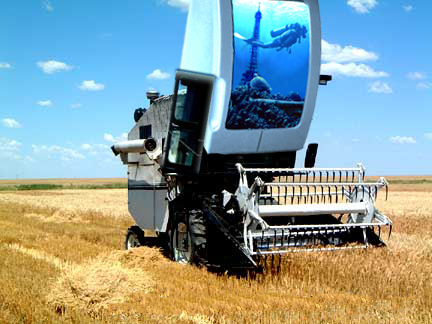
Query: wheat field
pixel 61 261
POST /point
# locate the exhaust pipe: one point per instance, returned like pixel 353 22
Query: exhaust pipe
pixel 134 146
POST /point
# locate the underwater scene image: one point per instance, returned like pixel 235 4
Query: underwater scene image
pixel 271 64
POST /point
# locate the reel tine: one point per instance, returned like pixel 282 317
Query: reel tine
pixel 289 238
pixel 278 192
pixel 282 237
pixel 313 238
pixel 280 263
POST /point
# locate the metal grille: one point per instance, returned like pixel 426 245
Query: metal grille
pixel 314 192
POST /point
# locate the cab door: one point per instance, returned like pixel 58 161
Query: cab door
pixel 186 130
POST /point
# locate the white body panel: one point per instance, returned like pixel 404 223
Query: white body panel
pixel 147 190
pixel 208 48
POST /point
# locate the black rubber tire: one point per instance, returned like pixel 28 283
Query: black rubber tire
pixel 134 237
pixel 196 229
pixel 180 240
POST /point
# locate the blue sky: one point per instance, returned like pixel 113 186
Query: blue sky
pixel 72 73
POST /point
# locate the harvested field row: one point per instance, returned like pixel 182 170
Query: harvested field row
pixel 71 181
pixel 61 260
pixel 72 204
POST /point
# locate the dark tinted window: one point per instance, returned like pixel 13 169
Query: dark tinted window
pixel 192 96
pixel 182 147
pixel 145 132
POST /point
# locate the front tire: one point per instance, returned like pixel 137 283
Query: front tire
pixel 189 238
pixel 134 237
pixel 181 242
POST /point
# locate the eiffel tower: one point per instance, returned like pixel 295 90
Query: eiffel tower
pixel 253 61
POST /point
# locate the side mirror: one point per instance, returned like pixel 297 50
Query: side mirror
pixel 311 155
pixel 324 79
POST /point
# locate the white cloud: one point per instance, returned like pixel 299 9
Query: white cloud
pixel 9 145
pixel 50 151
pixel 380 87
pixel 424 85
pixel 403 139
pixel 416 76
pixel 50 67
pixel 45 103
pixel 91 85
pixel 339 54
pixel 362 6
pixel 428 136
pixel 110 138
pixel 10 123
pixel 89 147
pixel 47 5
pixel 10 149
pixel 351 70
pixel 158 75
pixel 75 105
pixel 4 65
pixel 182 4
pixel 97 149
pixel 408 8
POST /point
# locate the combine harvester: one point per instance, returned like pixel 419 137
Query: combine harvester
pixel 211 168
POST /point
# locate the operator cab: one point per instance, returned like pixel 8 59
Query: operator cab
pixel 247 84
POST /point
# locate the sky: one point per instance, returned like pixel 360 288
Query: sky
pixel 73 72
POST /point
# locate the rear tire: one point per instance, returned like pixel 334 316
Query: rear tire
pixel 134 237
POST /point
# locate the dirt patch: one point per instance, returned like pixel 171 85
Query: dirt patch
pixel 107 280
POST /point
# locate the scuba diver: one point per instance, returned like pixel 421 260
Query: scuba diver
pixel 285 37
